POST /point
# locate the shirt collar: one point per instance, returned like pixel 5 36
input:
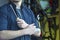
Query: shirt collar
pixel 14 6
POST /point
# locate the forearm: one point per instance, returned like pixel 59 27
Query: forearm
pixel 5 34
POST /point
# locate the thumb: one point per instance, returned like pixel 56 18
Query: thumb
pixel 18 19
pixel 32 24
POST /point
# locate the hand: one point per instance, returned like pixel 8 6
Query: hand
pixel 21 23
pixel 37 32
pixel 31 29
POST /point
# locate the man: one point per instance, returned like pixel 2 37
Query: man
pixel 17 22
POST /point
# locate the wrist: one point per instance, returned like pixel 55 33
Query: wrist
pixel 27 26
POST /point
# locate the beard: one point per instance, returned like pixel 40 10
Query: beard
pixel 16 1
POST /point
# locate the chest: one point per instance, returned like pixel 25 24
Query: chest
pixel 24 14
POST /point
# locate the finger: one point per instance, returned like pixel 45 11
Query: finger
pixel 32 24
pixel 18 18
pixel 20 22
